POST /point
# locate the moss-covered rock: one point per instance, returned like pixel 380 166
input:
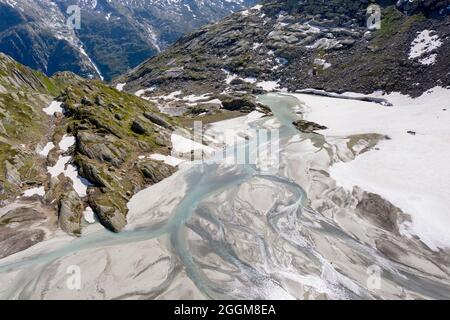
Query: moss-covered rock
pixel 106 151
pixel 70 213
pixel 155 171
pixel 108 146
pixel 308 126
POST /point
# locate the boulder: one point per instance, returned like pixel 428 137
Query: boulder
pixel 158 120
pixel 233 103
pixel 138 127
pixel 86 102
pixel 110 216
pixel 155 171
pixel 99 101
pixel 308 126
pixel 70 210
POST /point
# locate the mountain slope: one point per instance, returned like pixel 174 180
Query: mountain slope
pixel 308 45
pixel 69 148
pixel 113 36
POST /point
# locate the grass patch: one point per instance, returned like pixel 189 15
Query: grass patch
pixel 394 22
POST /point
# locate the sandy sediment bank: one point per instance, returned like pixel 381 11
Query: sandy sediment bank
pixel 227 231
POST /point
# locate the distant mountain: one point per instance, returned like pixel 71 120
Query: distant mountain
pixel 308 44
pixel 114 35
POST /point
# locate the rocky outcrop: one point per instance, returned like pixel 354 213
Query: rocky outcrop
pixel 93 174
pixel 68 204
pixel 379 212
pixel 138 127
pixel 112 131
pixel 24 225
pixel 70 213
pixel 15 77
pixel 11 174
pixel 242 102
pixel 105 153
pixel 308 126
pixel 102 147
pixel 110 210
pixel 234 103
pixel 155 171
pixel 23 125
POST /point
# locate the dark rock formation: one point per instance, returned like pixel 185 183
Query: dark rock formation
pixel 155 171
pixel 70 213
pixel 138 127
pixel 308 126
pixel 379 212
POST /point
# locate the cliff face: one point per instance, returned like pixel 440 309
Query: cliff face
pixel 310 44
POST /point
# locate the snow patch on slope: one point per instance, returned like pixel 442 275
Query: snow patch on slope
pixel 423 45
pixel 54 107
pixel 83 52
pixel 46 150
pixel 40 191
pixel 410 171
pixel 63 166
